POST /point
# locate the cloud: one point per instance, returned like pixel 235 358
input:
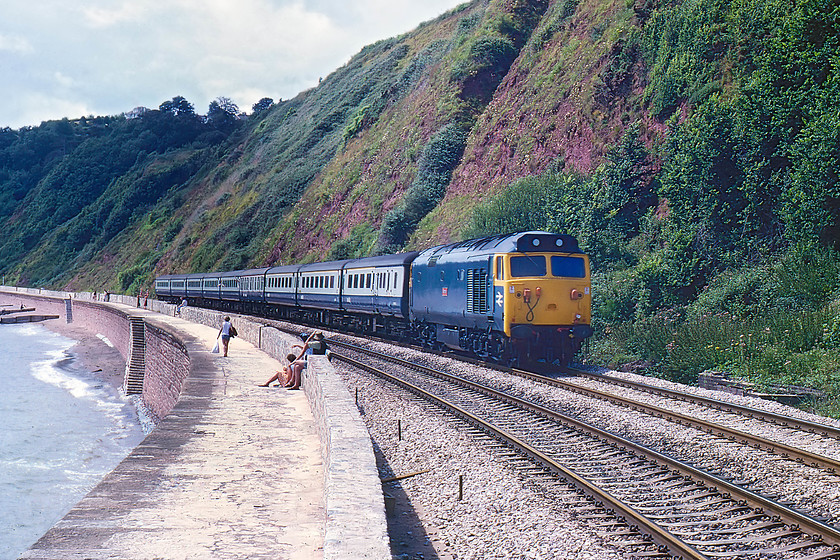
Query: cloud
pixel 98 17
pixel 14 44
pixel 108 56
pixel 37 108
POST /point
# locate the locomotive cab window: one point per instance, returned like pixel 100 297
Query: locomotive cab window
pixel 525 266
pixel 500 268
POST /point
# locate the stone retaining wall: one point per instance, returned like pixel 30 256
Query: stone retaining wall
pixel 167 367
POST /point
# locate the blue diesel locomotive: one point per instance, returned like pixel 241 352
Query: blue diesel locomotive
pixel 508 298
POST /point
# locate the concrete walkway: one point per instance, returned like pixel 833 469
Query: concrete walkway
pixel 233 472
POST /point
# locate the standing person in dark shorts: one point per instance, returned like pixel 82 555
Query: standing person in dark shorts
pixel 226 332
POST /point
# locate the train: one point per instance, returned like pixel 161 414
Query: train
pixel 510 299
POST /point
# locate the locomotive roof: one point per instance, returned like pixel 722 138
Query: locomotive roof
pixel 523 242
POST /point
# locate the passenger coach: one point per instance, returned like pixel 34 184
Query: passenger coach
pixel 508 298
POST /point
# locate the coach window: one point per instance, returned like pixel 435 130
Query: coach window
pixel 367 281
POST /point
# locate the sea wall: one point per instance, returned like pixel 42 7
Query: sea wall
pixel 167 366
pixel 166 361
pixel 355 526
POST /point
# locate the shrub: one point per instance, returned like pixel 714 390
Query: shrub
pixel 357 244
pixel 520 207
pixel 440 157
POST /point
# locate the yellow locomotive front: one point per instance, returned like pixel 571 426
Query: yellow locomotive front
pixel 545 302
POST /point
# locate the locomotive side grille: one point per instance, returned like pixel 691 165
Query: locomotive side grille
pixel 477 290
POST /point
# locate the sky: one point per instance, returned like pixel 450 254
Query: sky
pixel 75 58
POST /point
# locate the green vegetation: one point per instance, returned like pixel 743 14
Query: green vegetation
pixel 692 146
pixel 717 248
pixel 440 156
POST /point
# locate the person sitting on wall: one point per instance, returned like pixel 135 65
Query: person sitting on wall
pixel 314 344
pixel 281 377
pixel 286 377
pixel 181 306
pixel 295 370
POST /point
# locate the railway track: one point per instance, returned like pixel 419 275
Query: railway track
pixel 724 406
pixel 798 454
pixel 715 427
pixel 688 512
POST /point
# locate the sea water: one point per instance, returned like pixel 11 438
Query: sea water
pixel 61 431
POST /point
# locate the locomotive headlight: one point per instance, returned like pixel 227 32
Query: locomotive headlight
pixel 538 291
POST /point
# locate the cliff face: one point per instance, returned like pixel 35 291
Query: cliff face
pixel 648 106
pixel 536 84
pixel 390 151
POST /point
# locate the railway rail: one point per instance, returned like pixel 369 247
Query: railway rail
pixel 788 451
pixel 764 415
pixel 681 508
pixel 784 450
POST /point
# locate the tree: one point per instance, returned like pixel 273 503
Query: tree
pixel 222 113
pixel 262 105
pixel 177 106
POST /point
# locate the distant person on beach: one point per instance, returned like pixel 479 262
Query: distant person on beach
pixel 226 332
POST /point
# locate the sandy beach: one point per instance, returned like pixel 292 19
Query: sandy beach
pixel 91 353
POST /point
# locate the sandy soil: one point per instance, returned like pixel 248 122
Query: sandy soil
pixel 91 352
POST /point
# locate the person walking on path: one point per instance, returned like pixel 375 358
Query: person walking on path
pixel 226 332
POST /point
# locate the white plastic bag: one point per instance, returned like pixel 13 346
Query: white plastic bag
pixel 215 349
